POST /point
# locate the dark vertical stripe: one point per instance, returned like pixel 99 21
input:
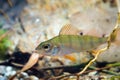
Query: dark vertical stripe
pixel 92 41
pixel 103 40
pixel 60 39
pixel 70 41
pixel 80 42
pixel 86 42
pixel 100 40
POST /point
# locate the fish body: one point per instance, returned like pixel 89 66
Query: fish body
pixel 65 44
pixel 71 40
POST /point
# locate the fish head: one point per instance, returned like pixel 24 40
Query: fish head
pixel 47 48
pixel 51 49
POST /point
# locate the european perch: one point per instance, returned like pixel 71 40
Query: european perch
pixel 71 42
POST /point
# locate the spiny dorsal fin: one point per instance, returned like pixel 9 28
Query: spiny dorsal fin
pixel 68 29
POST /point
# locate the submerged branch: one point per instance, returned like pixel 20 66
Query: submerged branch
pixel 94 69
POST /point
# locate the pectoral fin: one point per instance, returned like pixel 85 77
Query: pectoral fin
pixel 70 57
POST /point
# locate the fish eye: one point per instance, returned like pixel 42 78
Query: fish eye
pixel 81 33
pixel 46 47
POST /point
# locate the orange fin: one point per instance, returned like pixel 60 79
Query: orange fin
pixel 70 57
pixel 68 29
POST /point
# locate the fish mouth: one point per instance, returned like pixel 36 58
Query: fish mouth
pixel 41 53
pixel 37 51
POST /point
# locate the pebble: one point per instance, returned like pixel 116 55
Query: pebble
pixel 9 71
pixel 3 78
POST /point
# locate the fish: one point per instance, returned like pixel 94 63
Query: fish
pixel 70 40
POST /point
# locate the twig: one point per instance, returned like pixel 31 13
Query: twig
pixel 21 24
pixel 63 67
pixel 94 69
pixel 7 33
pixel 4 14
pixel 118 5
pixel 96 56
pixel 10 3
pixel 4 35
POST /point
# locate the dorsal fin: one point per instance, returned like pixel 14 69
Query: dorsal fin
pixel 68 29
